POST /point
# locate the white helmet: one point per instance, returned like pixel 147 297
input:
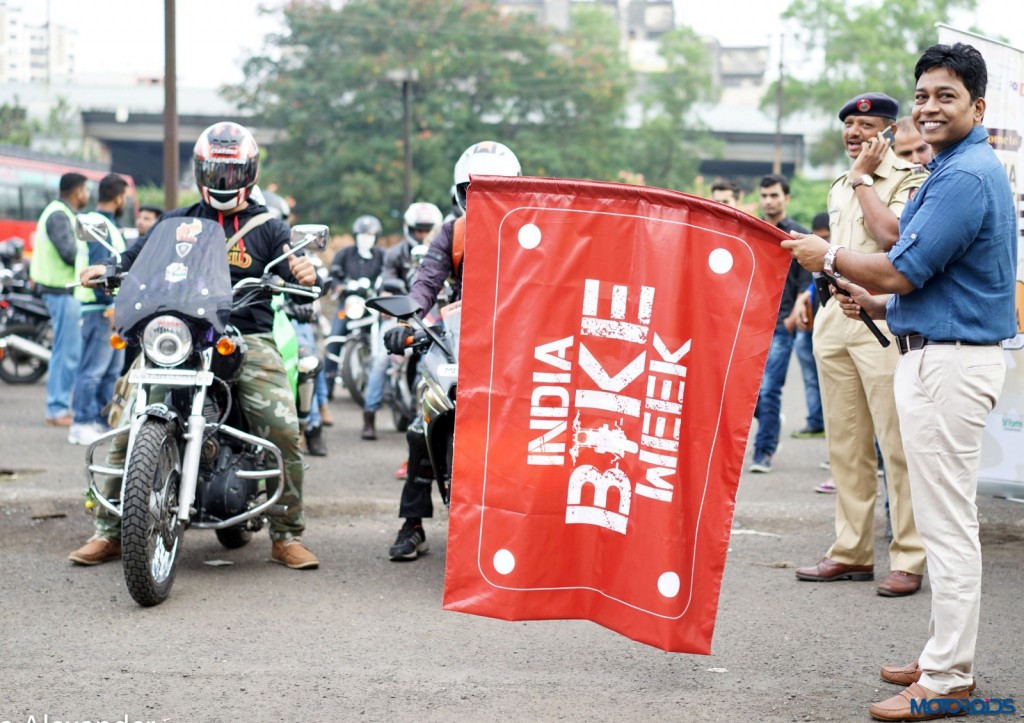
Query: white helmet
pixel 421 217
pixel 486 158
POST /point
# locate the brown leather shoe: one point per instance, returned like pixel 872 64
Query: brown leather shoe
pixel 907 674
pixel 829 571
pixel 96 551
pixel 293 553
pixel 899 706
pixel 326 418
pixel 898 583
pixel 64 421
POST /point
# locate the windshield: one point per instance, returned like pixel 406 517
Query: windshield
pixel 182 269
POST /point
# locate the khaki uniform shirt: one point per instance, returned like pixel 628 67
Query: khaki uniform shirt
pixel 896 181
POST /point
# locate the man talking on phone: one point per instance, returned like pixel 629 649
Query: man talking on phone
pixel 856 373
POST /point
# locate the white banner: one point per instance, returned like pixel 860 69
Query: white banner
pixel 1002 449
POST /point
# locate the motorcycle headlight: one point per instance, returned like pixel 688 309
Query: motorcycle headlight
pixel 167 341
pixel 355 307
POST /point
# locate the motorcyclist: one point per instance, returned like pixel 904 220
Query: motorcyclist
pixel 362 260
pixel 226 165
pixel 440 263
pixel 419 220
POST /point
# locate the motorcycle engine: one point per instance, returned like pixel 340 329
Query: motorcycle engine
pixel 222 493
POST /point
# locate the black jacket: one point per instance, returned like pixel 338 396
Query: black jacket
pixel 247 259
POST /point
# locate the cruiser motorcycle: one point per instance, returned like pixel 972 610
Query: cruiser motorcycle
pixel 26 336
pixel 191 460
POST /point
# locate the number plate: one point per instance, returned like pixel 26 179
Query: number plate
pixel 447 370
pixel 171 377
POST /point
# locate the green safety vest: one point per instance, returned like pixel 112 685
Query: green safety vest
pixel 47 267
pixel 83 293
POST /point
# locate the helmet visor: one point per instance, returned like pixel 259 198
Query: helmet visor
pixel 223 174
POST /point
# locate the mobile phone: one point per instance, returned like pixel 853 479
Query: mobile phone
pixel 888 135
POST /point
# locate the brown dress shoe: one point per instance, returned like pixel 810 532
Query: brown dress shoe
pixel 829 571
pixel 907 674
pixel 64 421
pixel 898 583
pixel 929 705
pixel 97 550
pixel 293 553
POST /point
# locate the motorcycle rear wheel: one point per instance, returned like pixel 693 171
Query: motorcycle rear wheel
pixel 355 368
pixel 16 367
pixel 150 531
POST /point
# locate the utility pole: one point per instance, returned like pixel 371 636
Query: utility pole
pixel 170 108
pixel 777 161
pixel 406 77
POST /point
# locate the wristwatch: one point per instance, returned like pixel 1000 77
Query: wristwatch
pixel 829 262
pixel 865 180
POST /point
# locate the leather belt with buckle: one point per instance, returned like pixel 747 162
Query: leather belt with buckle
pixel 913 342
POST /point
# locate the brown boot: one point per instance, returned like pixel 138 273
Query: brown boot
pixel 293 553
pixel 369 425
pixel 325 415
pixel 97 550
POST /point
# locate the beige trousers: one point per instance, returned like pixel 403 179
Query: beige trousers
pixel 856 375
pixel 944 394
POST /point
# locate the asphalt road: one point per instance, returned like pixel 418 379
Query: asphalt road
pixel 363 638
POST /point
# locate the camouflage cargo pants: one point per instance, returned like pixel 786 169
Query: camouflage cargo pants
pixel 269 408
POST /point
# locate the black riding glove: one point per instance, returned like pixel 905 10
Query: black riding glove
pixel 396 339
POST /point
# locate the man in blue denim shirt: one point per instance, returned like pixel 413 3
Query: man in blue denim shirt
pixel 951 278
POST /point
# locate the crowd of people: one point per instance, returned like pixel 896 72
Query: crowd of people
pixel 919 234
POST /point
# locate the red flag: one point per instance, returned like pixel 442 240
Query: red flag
pixel 613 341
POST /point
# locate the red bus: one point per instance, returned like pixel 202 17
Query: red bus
pixel 30 180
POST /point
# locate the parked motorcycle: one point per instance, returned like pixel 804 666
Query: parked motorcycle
pixel 26 336
pixel 360 343
pixel 191 460
pixel 439 373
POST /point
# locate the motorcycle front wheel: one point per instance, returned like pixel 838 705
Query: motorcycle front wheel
pixel 17 367
pixel 355 368
pixel 150 530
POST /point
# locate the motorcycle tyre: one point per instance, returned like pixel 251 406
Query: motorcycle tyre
pixel 138 534
pixel 234 537
pixel 355 369
pixel 401 419
pixel 14 360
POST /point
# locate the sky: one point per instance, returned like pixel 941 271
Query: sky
pixel 136 47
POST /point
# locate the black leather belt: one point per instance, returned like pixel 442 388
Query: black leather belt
pixel 912 342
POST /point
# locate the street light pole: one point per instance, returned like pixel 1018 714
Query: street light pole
pixel 777 161
pixel 406 77
pixel 170 108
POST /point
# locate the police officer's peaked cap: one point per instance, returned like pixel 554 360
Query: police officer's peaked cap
pixel 877 104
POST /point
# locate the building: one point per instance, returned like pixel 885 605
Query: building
pixel 33 53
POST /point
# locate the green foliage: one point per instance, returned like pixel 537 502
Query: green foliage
pixel 807 198
pixel 556 98
pixel 865 46
pixel 15 128
pixel 150 195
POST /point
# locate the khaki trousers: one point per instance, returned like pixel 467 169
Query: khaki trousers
pixel 944 393
pixel 856 381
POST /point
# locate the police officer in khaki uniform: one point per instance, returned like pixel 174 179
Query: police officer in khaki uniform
pixel 856 372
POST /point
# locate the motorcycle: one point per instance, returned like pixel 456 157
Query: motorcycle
pixel 361 342
pixel 439 372
pixel 26 336
pixel 191 460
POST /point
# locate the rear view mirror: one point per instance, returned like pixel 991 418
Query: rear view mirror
pixel 310 234
pixel 92 228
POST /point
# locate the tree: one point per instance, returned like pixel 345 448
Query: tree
pixel 15 128
pixel 480 75
pixel 670 143
pixel 865 46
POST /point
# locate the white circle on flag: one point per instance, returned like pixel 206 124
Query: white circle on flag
pixel 504 562
pixel 529 236
pixel 720 261
pixel 668 584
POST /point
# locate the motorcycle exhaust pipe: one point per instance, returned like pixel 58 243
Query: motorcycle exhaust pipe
pixel 26 346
